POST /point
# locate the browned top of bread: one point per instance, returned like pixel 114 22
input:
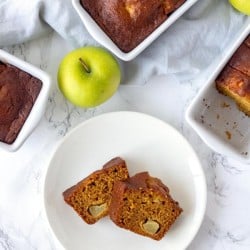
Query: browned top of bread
pixel 18 92
pixel 234 80
pixel 241 59
pixel 91 197
pixel 142 201
pixel 235 77
pixel 128 22
pixel 144 181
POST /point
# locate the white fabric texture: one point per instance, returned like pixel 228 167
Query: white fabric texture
pixel 184 50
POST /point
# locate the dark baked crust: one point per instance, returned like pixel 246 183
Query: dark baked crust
pixel 241 59
pixel 95 190
pixel 247 41
pixel 234 79
pixel 142 198
pixel 128 22
pixel 18 92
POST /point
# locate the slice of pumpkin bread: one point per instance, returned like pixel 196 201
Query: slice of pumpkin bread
pixel 142 204
pixel 91 197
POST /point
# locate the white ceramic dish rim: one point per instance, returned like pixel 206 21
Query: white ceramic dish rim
pixel 197 173
pixel 98 34
pixel 39 105
pixel 210 138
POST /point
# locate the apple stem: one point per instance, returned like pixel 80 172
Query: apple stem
pixel 84 65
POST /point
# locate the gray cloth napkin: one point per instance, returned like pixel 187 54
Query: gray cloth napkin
pixel 185 49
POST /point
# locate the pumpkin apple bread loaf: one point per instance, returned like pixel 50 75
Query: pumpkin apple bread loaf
pixel 91 197
pixel 234 79
pixel 142 204
pixel 129 22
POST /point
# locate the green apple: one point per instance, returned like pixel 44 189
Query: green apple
pixel 88 76
pixel 241 5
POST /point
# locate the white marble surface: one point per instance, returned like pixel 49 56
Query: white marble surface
pixel 22 224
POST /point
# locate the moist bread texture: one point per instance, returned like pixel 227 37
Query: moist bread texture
pixel 234 80
pixel 143 205
pixel 91 197
pixel 129 22
pixel 18 93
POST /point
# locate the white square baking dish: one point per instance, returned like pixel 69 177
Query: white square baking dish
pixel 99 35
pixel 39 105
pixel 215 117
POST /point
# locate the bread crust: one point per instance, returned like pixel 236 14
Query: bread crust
pixel 143 198
pixel 129 22
pixel 234 79
pixel 95 190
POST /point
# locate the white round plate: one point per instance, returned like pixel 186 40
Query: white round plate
pixel 146 144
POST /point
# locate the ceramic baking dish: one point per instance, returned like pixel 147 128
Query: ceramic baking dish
pixel 38 108
pixel 215 117
pixel 98 34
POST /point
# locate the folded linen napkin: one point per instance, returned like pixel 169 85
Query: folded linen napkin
pixel 185 49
